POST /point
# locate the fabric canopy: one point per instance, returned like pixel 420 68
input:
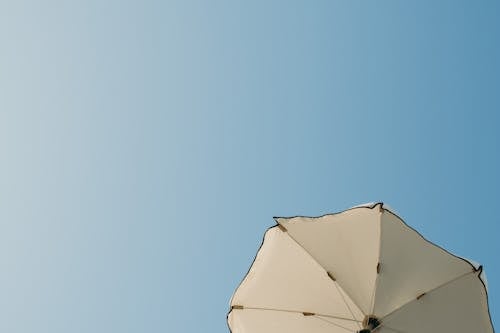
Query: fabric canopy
pixel 363 269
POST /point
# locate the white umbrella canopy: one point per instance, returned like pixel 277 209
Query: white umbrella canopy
pixel 360 270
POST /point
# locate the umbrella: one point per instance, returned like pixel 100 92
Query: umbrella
pixel 361 270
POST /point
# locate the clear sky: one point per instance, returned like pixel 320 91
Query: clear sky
pixel 146 145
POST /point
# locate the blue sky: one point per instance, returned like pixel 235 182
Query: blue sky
pixel 146 145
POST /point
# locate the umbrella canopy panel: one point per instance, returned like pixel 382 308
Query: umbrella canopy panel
pixel 360 270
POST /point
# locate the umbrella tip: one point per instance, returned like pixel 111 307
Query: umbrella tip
pixel 282 228
pixel 380 206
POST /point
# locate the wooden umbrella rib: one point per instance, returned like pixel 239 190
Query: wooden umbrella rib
pixel 335 324
pixel 305 313
pixel 379 266
pixel 387 327
pixel 347 304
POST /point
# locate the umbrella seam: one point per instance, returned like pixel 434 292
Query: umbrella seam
pixel 375 286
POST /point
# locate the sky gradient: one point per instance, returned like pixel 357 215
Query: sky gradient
pixel 146 145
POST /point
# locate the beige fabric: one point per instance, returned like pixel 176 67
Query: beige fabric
pixel 377 264
pixel 421 266
pixel 346 244
pixel 285 277
pixel 459 306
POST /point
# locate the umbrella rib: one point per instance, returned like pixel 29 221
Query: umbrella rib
pixel 335 324
pixel 335 282
pixel 428 292
pixel 301 312
pixel 347 304
pixel 389 328
pixel 375 285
